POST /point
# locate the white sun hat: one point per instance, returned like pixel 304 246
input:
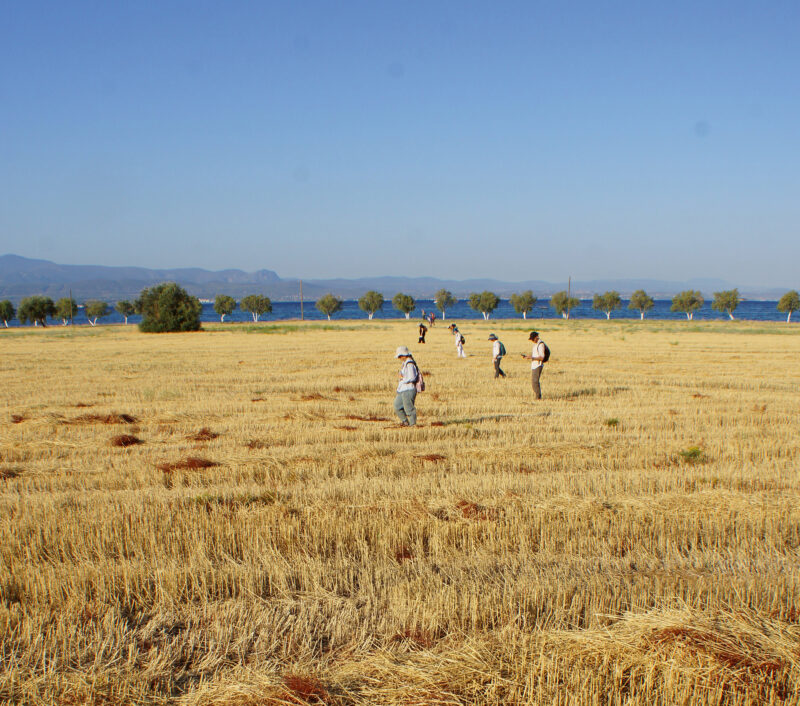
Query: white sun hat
pixel 401 351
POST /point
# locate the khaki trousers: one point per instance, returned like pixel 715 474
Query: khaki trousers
pixel 536 373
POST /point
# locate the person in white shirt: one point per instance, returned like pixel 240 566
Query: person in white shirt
pixel 459 343
pixel 497 356
pixel 406 388
pixel 537 362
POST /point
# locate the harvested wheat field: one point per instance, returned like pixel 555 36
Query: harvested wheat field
pixel 235 517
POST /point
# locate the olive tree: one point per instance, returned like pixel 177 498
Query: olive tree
pixel 66 308
pixel 607 302
pixel 726 302
pixel 404 303
pixel 36 309
pixel 329 304
pixel 563 303
pixel 485 302
pixel 7 312
pixel 168 307
pixel 788 303
pixel 371 302
pixel 96 309
pixel 257 305
pixel 641 302
pixel 125 309
pixel 224 305
pixel 687 302
pixel 444 299
pixel 523 303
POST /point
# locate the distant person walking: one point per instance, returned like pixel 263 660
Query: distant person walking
pixel 538 357
pixel 423 329
pixel 406 388
pixel 498 351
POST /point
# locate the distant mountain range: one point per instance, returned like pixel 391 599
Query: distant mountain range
pixel 22 277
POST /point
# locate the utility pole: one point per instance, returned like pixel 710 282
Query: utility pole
pixel 70 306
pixel 302 318
pixel 569 293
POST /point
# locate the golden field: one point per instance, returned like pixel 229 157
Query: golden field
pixel 632 539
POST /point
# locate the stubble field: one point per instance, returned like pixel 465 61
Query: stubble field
pixel 264 533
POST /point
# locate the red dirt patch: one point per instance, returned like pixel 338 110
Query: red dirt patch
pixel 17 418
pixel 205 434
pixel 370 418
pixel 192 463
pixel 259 399
pixel 7 473
pixel 403 554
pixel 307 690
pixel 112 418
pixel 125 440
pixel 256 444
pixel 437 424
pixel 313 396
pixel 83 404
pixel 473 511
pixel 435 458
pixel 347 428
pixel 338 389
pixel 427 373
pixel 698 395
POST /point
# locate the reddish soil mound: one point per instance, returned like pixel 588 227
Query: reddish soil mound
pixel 698 395
pixel 83 404
pixel 346 428
pixel 308 689
pixel 437 424
pixel 205 434
pixel 473 511
pixel 17 418
pixel 191 463
pixel 311 397
pixel 6 473
pixel 435 458
pixel 112 418
pixel 125 440
pixel 403 554
pixel 259 399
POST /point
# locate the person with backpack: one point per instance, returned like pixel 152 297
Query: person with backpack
pixel 459 340
pixel 423 329
pixel 498 351
pixel 538 357
pixel 410 383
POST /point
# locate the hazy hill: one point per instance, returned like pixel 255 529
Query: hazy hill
pixel 21 277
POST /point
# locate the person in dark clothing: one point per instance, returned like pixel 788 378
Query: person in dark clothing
pixel 423 329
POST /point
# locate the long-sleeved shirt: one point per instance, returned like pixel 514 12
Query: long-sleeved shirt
pixel 408 375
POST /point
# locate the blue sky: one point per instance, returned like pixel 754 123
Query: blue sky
pixel 516 140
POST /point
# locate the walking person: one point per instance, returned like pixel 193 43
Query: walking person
pixel 406 389
pixel 498 351
pixel 423 329
pixel 459 341
pixel 538 357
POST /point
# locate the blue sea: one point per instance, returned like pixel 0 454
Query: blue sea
pixel 283 311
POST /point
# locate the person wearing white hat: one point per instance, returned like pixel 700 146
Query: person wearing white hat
pixel 459 340
pixel 406 388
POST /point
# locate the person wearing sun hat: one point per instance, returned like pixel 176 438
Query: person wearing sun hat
pixel 406 388
pixel 498 351
pixel 538 357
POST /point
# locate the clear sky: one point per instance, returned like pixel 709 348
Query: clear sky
pixel 516 140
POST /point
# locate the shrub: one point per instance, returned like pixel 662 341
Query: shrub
pixel 168 307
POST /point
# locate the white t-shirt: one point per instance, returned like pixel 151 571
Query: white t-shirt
pixel 537 352
pixel 496 350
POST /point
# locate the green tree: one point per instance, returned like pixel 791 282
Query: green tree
pixel 329 304
pixel 95 309
pixel 607 302
pixel 788 303
pixel 125 309
pixel 66 308
pixel 7 312
pixel 687 302
pixel 36 309
pixel 523 303
pixel 444 299
pixel 726 302
pixel 256 305
pixel 168 307
pixel 404 302
pixel 563 303
pixel 371 302
pixel 485 302
pixel 641 302
pixel 224 305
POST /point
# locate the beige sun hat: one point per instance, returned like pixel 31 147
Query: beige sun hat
pixel 401 351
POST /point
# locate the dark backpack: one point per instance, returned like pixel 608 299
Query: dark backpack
pixel 546 352
pixel 502 349
pixel 463 340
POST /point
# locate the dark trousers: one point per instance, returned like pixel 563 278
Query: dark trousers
pixel 497 371
pixel 536 373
